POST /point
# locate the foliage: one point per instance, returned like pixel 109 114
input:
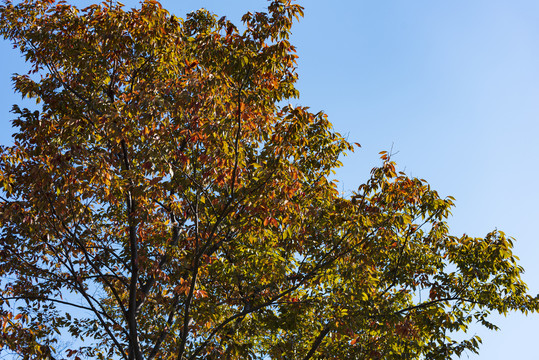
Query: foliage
pixel 165 203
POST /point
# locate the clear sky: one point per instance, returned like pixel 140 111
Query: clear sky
pixel 453 86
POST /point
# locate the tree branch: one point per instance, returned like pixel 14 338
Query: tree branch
pixel 317 342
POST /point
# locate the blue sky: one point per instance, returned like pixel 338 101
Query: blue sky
pixel 453 86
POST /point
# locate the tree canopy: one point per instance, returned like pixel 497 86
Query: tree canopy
pixel 167 202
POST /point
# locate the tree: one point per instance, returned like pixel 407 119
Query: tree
pixel 166 203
